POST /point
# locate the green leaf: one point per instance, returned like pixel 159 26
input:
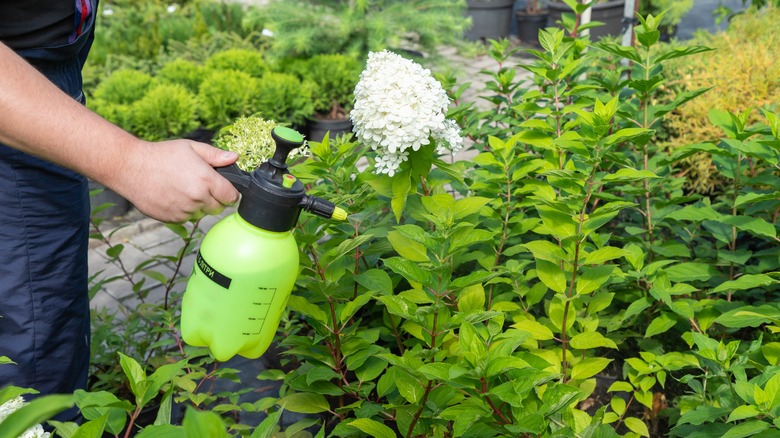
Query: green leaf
pixel 91 429
pixel 749 316
pixel 302 306
pixel 353 306
pixel 135 375
pixel 626 134
pixel 401 188
pixel 472 299
pixel 409 387
pixel 747 281
pixel 637 426
pixel 678 52
pixel 602 255
pixel 537 331
pixel 703 414
pixel 746 429
pixel 304 403
pixel 94 405
pixel 690 271
pixel 407 248
pixel 589 340
pixel 593 278
pixel 162 431
pixel 203 424
pixel 661 324
pixel 267 428
pixel 34 412
pixel 742 412
pixel 551 275
pixel 468 206
pixel 629 175
pixel 472 343
pixel 753 225
pixel 373 428
pixel 397 305
pixel 694 214
pixel 629 53
pixel 375 280
pixel 589 367
pixel 545 250
pixel 409 270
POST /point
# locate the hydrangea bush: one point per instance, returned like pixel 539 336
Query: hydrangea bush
pixel 400 107
pixel 560 283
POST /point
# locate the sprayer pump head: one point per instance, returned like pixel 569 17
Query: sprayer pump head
pixel 271 197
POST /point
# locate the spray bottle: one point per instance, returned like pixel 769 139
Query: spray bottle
pixel 248 261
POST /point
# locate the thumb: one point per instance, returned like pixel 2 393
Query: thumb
pixel 213 156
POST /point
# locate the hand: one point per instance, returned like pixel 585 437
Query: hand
pixel 174 181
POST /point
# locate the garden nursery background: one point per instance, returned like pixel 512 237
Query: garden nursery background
pixel 551 235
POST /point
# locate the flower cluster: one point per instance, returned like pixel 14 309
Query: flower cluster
pixel 13 405
pixel 400 106
pixel 250 137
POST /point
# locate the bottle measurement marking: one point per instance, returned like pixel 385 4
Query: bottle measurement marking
pixel 265 306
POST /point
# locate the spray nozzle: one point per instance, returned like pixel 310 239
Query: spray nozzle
pixel 271 197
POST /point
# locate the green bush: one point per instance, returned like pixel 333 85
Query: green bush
pixel 182 72
pixel 560 282
pixel 750 43
pixel 226 95
pixel 243 60
pixel 166 111
pixel 335 77
pixel 123 87
pixel 307 28
pixel 284 98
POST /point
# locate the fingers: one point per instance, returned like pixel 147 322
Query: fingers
pixel 213 156
pixel 221 189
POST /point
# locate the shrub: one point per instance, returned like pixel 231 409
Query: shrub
pixel 123 87
pixel 335 77
pixel 284 98
pixel 225 95
pixel 355 28
pixel 182 72
pixel 743 72
pixel 166 111
pixel 244 60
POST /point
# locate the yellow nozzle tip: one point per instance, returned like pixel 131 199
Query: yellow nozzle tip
pixel 339 214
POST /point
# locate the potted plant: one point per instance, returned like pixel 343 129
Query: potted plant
pixel 530 20
pixel 609 12
pixel 490 19
pixel 307 28
pixel 334 77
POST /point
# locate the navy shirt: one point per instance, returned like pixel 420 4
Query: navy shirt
pixel 26 24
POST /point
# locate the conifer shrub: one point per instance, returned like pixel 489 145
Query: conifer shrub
pixel 123 86
pixel 166 111
pixel 284 98
pixel 335 76
pixel 226 95
pixel 182 72
pixel 245 60
pixel 743 72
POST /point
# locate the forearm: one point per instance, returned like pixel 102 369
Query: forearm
pixel 37 118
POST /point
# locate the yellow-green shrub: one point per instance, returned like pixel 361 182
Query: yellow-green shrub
pixel 743 72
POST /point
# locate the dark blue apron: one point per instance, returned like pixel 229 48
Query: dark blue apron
pixel 44 231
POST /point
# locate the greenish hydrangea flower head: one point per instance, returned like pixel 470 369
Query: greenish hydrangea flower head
pixel 250 138
pixel 12 406
pixel 399 106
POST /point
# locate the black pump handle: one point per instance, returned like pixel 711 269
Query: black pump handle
pixel 238 177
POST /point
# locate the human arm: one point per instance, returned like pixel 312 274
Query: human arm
pixel 171 181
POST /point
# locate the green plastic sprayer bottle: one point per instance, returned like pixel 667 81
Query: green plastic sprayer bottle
pixel 248 262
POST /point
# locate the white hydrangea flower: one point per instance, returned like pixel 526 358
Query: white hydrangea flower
pixel 10 407
pixel 400 106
